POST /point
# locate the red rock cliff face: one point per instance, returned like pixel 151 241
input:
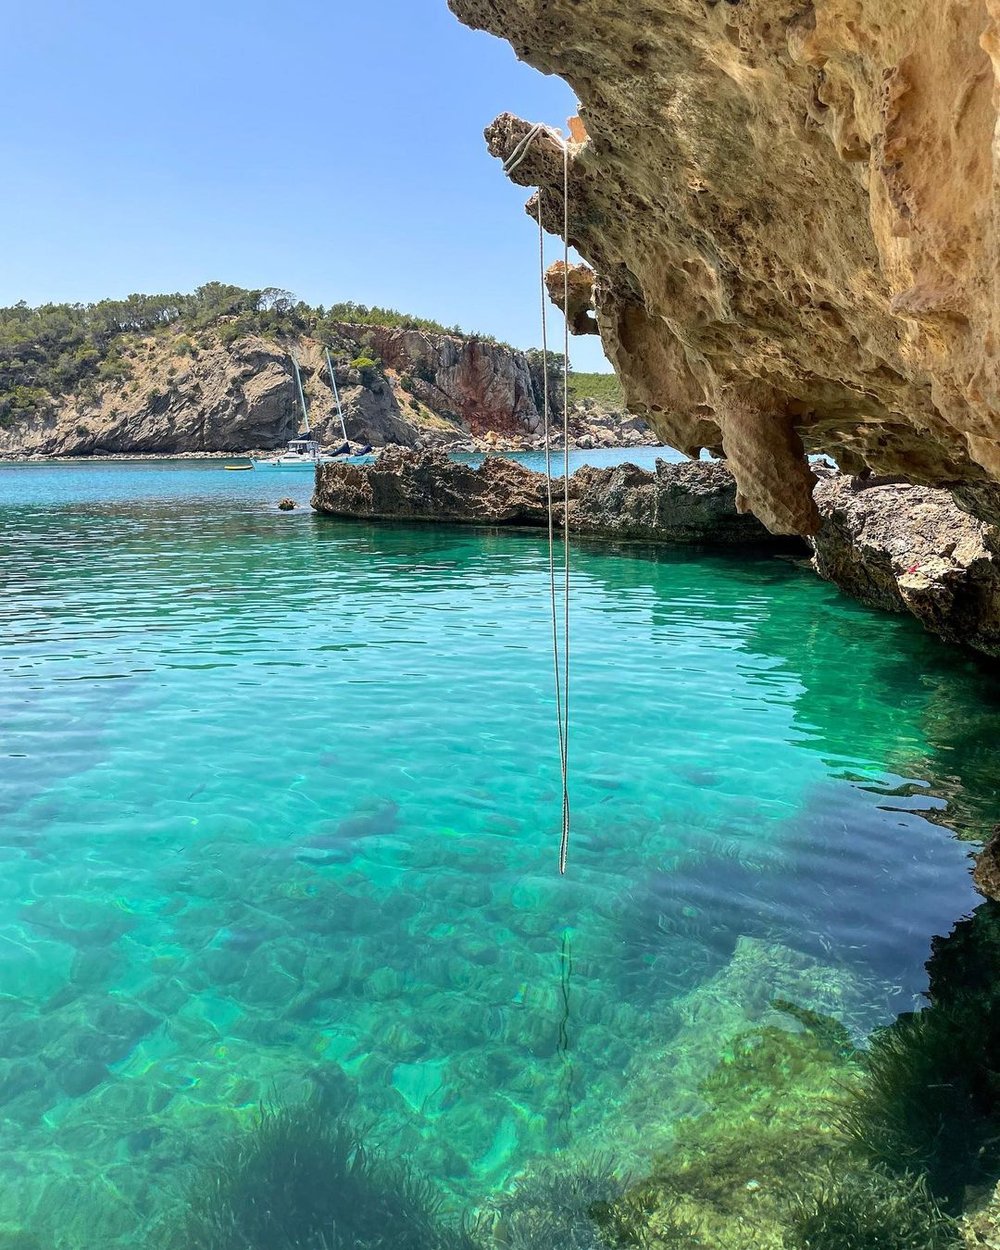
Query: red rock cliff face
pixel 485 385
pixel 791 209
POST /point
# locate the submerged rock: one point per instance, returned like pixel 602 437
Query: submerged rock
pixel 986 876
pixel 680 503
pixel 911 549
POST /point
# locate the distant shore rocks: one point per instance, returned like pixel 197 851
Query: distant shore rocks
pixel 174 394
pixel 607 431
pixel 693 502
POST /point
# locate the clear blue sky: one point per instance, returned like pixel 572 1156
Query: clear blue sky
pixel 332 147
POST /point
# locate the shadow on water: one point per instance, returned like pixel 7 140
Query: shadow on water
pixel 930 1103
pixel 956 695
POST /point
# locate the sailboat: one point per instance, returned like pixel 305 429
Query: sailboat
pixel 304 452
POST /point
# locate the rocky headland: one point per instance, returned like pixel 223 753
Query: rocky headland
pixel 215 382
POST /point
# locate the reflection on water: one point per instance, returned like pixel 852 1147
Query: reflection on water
pixel 280 820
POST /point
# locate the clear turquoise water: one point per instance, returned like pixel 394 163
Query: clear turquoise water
pixel 278 811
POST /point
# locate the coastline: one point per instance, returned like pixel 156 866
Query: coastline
pixel 132 457
pixel 467 447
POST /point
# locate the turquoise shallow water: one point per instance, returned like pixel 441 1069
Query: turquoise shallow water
pixel 279 811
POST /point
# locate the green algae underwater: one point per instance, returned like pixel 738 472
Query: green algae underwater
pixel 285 959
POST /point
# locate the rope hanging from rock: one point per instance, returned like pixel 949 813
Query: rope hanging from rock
pixel 560 651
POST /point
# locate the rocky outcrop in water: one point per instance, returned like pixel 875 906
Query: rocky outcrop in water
pixel 679 503
pixel 907 548
pixel 790 210
pixel 694 502
pixel 428 486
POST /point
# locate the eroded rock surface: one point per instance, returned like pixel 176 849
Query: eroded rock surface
pixel 428 486
pixel 909 548
pixel 473 381
pixel 681 503
pixel 791 210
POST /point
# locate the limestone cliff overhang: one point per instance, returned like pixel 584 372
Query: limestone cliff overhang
pixel 790 210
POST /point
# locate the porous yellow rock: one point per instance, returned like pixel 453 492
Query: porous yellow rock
pixel 791 211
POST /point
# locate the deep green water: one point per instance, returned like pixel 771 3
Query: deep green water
pixel 279 811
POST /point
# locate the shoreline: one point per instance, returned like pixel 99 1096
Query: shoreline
pixel 259 453
pixel 133 456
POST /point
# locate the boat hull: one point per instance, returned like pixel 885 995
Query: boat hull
pixel 308 466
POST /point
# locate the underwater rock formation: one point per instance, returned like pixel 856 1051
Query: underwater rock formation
pixel 907 548
pixel 818 1140
pixel 790 210
pixel 681 503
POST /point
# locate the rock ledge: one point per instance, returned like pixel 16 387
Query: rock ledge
pixel 908 548
pixel 680 503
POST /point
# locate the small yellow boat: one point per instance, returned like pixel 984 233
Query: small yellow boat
pixel 238 468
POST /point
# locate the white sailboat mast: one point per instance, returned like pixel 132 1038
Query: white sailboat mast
pixel 336 395
pixel 302 394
